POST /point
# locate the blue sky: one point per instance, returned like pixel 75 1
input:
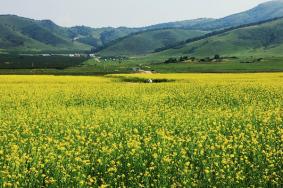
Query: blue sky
pixel 98 13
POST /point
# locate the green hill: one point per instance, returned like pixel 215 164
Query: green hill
pixel 98 37
pixel 263 39
pixel 23 34
pixel 186 24
pixel 146 42
pixel 102 37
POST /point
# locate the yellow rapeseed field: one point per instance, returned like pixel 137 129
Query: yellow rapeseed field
pixel 222 130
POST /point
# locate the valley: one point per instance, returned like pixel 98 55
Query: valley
pixel 246 36
pixel 188 103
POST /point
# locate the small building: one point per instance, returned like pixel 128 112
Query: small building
pixel 46 55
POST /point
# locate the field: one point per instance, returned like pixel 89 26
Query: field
pixel 58 65
pixel 31 62
pixel 193 130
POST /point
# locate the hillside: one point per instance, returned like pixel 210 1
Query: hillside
pixel 146 42
pixel 186 24
pixel 17 33
pixel 264 11
pixel 23 34
pixel 143 43
pixel 99 38
pixel 264 39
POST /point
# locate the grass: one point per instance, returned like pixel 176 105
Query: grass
pixel 268 65
pixel 148 41
pixel 28 35
pixel 15 64
pixel 92 67
pixel 222 130
pixel 263 40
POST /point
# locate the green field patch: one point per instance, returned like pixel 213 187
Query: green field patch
pixel 144 79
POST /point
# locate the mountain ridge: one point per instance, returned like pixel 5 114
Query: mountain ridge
pixel 265 38
pixel 30 31
pixel 260 13
pixel 19 33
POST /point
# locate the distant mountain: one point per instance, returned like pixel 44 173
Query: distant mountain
pixel 146 42
pixel 187 24
pixel 264 11
pixel 142 43
pixel 265 38
pixel 25 34
pixel 102 37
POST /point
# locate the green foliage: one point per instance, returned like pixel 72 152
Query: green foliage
pixel 193 64
pixel 39 62
pixel 171 60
